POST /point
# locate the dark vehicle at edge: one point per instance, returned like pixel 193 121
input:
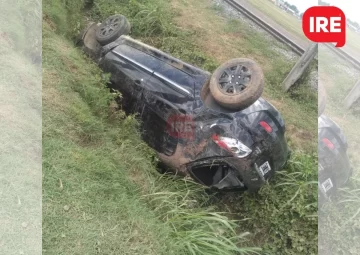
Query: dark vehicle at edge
pixel 334 165
pixel 224 136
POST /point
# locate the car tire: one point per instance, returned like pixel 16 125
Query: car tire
pixel 321 99
pixel 237 83
pixel 112 28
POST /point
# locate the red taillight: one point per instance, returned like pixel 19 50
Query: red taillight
pixel 266 126
pixel 328 143
pixel 236 147
pixel 217 140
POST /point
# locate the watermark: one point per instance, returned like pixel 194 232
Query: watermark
pixel 325 24
pixel 181 126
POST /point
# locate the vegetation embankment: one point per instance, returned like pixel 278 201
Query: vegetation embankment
pixel 101 190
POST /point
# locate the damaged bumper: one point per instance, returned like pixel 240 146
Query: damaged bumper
pixel 231 174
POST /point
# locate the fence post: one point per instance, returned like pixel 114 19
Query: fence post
pixel 353 96
pixel 300 66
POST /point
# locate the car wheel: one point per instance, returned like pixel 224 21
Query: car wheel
pixel 237 83
pixel 321 99
pixel 111 29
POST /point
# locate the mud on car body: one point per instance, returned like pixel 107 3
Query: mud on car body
pixel 214 128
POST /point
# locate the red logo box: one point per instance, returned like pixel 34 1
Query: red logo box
pixel 325 24
pixel 181 126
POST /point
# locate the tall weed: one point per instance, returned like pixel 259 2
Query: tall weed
pixel 147 18
pixel 196 228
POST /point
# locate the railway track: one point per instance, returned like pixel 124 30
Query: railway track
pixel 279 36
pixel 282 38
pixel 342 54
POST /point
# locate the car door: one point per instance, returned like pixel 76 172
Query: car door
pixel 127 78
pixel 130 69
pixel 165 109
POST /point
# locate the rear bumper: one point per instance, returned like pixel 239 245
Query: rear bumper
pixel 242 174
pixel 249 173
pixel 334 172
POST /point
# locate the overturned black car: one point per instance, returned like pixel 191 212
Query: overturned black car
pixel 333 164
pixel 215 128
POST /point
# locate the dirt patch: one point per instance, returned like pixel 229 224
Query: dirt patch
pixel 277 104
pixel 140 179
pixel 50 94
pixel 6 41
pixel 299 137
pixel 49 23
pixel 69 64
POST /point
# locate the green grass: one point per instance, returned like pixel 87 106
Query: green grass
pixel 339 220
pixel 20 160
pixel 101 190
pixel 284 19
pixel 81 167
pixel 96 170
pixel 20 129
pixel 352 46
pixel 282 217
pixel 21 21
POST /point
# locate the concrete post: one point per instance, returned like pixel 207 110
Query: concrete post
pixel 300 67
pixel 353 96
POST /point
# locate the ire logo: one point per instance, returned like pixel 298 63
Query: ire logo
pixel 181 126
pixel 325 24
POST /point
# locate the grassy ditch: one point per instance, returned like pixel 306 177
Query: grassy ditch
pixel 339 220
pixel 97 172
pixel 101 190
pixel 20 128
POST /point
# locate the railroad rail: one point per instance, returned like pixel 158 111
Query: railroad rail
pixel 282 38
pixel 264 25
pixel 342 54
